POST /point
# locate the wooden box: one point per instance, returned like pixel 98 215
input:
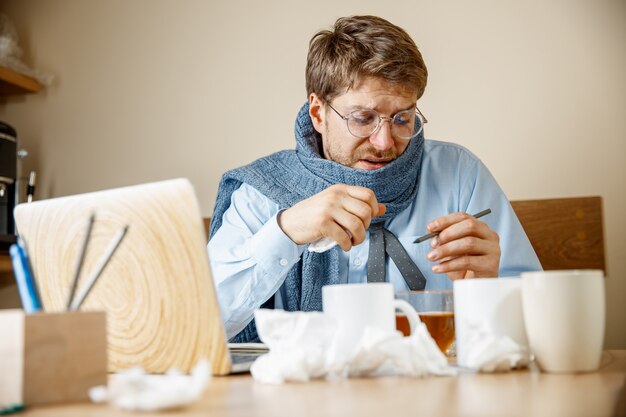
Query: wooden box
pixel 51 357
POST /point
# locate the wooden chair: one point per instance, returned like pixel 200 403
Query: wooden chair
pixel 207 226
pixel 566 233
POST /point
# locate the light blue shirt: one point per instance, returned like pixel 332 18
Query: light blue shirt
pixel 251 256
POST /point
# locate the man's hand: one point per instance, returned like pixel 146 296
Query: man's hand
pixel 465 247
pixel 341 212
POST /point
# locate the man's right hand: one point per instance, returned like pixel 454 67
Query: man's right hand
pixel 341 212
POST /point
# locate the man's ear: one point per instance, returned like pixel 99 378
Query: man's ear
pixel 317 112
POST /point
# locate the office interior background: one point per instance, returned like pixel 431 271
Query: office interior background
pixel 146 90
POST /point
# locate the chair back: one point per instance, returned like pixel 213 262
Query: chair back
pixel 207 226
pixel 566 233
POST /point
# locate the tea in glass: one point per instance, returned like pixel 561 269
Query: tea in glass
pixel 436 310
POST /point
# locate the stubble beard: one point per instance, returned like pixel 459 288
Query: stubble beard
pixel 335 154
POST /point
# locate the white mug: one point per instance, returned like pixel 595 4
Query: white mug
pixel 492 305
pixel 356 306
pixel 564 313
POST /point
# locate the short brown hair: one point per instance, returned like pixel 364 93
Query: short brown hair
pixel 360 46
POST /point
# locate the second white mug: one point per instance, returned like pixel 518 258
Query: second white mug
pixel 493 305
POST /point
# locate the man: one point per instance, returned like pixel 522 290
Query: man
pixel 362 176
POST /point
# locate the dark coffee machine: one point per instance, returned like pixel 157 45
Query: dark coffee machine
pixel 8 179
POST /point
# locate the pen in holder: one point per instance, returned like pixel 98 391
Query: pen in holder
pixel 53 357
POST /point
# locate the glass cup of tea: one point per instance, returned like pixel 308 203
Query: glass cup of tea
pixel 436 310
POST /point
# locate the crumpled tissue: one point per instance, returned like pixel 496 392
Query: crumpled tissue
pixel 483 351
pixel 134 389
pixel 303 346
pixel 322 245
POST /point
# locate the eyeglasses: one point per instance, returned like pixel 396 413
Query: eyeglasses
pixel 364 123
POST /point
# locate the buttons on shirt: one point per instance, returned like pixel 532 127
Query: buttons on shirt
pixel 358 262
pixel 283 262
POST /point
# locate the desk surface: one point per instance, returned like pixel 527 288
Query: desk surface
pixel 519 393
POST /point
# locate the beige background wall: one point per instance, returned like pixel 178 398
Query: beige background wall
pixel 153 89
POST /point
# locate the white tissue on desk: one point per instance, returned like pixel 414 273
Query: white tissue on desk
pixel 303 347
pixel 485 352
pixel 298 343
pixel 322 245
pixel 134 389
pixel 389 353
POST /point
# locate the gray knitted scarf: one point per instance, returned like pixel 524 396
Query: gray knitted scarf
pixel 288 177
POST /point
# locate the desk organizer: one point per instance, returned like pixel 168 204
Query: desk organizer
pixel 54 357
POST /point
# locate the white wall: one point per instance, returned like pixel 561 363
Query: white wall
pixel 154 89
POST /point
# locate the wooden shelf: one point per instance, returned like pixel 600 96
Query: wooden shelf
pixel 13 83
pixel 5 262
pixel 6 270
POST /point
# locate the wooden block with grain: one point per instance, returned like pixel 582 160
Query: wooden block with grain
pixel 51 358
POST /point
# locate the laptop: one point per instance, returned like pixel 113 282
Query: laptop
pixel 157 289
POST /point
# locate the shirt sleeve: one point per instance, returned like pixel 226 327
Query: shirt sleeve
pixel 250 257
pixel 481 191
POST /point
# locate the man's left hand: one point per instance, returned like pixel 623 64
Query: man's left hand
pixel 465 247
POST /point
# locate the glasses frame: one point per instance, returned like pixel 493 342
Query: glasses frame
pixel 381 119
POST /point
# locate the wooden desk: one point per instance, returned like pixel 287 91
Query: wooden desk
pixel 520 393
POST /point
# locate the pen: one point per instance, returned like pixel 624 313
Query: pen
pixel 24 277
pixel 22 244
pixel 30 190
pixel 81 259
pixel 104 260
pixel 433 234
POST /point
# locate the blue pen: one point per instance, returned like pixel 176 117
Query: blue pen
pixel 29 266
pixel 24 277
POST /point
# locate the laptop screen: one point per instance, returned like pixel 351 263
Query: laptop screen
pixel 157 290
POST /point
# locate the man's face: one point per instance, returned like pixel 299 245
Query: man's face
pixel 378 149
